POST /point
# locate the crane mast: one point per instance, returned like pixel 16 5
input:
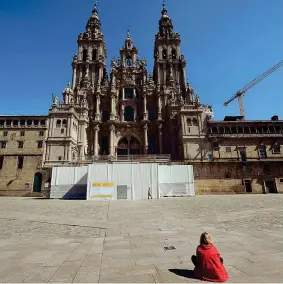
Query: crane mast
pixel 239 95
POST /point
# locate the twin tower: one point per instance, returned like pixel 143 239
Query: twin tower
pixel 126 112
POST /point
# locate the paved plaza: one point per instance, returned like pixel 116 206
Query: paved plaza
pixel 45 240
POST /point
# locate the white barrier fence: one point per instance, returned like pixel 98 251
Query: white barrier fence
pixel 122 181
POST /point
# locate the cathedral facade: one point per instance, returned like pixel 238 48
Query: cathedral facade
pixel 129 112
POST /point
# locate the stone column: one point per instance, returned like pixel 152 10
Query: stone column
pixel 96 131
pixel 145 128
pixel 144 107
pixel 159 106
pixel 69 126
pixel 74 77
pixel 113 109
pixel 158 73
pixel 50 126
pixel 81 73
pixel 164 74
pixel 160 139
pixel 111 144
pixel 69 158
pixel 97 114
pixel 122 113
pixel 93 75
pixel 47 154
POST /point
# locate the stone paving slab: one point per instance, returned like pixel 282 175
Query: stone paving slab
pixel 59 241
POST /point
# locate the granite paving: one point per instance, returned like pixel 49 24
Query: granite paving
pixel 60 241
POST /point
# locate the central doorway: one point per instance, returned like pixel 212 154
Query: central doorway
pixel 128 146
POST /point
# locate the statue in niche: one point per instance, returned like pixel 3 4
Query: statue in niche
pixel 129 61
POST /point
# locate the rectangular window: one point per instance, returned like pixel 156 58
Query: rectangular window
pixel 281 180
pixel 62 130
pixel 39 144
pixel 1 162
pixel 22 133
pixel 228 150
pixel 42 122
pixel 3 144
pixel 5 133
pixel 20 162
pixel 129 94
pixel 21 144
pixel 60 158
pixel 276 148
pixel 41 133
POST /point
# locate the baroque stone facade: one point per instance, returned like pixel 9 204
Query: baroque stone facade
pixel 130 114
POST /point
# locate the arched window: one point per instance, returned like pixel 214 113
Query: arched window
pixel 94 54
pixel 84 54
pixel 58 123
pixel 174 54
pixel 195 122
pixel 65 123
pixel 164 53
pixel 129 114
pixel 129 61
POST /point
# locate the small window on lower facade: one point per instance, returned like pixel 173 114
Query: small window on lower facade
pixel 62 131
pixel 228 150
pixel 3 144
pixel 41 133
pixel 22 133
pixel 20 162
pixel 5 133
pixel 39 144
pixel 60 158
pixel 281 180
pixel 21 144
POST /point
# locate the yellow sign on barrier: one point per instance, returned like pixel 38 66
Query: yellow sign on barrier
pixel 102 190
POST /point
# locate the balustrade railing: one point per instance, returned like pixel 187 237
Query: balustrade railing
pixel 130 158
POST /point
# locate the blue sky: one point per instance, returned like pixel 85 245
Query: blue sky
pixel 226 43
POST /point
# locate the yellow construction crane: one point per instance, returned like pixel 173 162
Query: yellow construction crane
pixel 239 95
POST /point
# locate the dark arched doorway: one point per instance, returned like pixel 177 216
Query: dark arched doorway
pixel 128 146
pixel 37 182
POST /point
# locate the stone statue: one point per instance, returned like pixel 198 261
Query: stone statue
pixel 197 100
pixel 55 99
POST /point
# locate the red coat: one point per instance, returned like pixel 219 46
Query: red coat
pixel 209 266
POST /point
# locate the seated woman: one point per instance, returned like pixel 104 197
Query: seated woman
pixel 208 263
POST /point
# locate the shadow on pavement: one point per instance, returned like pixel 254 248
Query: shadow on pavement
pixel 183 273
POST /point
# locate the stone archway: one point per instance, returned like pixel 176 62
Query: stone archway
pixel 129 146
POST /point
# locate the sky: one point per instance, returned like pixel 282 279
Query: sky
pixel 226 43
